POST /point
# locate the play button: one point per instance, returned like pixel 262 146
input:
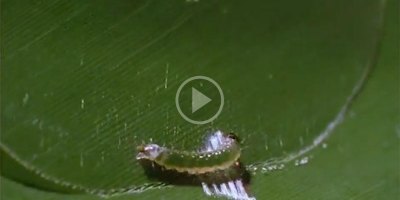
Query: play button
pixel 199 100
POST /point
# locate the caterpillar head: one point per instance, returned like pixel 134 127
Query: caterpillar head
pixel 149 151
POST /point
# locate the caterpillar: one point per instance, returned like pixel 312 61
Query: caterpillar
pixel 215 166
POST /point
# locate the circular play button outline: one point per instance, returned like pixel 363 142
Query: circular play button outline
pixel 197 78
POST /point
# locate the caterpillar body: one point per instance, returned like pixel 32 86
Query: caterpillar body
pixel 215 166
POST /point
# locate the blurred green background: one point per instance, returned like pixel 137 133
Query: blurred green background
pixel 83 83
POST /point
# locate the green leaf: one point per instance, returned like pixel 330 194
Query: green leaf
pixel 82 84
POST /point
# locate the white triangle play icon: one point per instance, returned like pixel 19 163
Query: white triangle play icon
pixel 198 100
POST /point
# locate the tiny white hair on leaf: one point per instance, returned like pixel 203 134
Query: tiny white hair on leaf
pixel 232 190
